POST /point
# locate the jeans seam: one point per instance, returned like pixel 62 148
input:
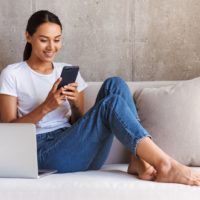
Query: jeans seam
pixel 135 140
pixel 106 89
pixel 125 127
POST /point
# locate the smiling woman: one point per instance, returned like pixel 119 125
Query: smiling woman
pixel 46 41
pixel 67 141
pixel 40 73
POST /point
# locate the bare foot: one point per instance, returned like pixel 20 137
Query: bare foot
pixel 141 168
pixel 174 172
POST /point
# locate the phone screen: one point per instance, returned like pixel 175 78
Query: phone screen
pixel 69 74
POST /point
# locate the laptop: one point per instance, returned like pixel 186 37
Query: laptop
pixel 18 151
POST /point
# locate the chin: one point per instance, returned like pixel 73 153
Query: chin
pixel 48 59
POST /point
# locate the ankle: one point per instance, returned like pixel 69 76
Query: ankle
pixel 164 166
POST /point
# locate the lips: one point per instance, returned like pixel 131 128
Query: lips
pixel 49 54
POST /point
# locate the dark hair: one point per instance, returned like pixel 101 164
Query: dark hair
pixel 34 22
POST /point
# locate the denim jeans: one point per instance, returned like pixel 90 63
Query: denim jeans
pixel 86 144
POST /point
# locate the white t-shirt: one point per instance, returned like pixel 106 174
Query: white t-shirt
pixel 31 89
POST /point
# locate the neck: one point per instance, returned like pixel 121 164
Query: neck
pixel 39 66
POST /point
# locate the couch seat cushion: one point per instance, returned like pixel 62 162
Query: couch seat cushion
pixel 111 182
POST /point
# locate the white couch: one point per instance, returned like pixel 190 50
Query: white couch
pixel 111 182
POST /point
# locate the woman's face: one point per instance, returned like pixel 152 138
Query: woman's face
pixel 46 42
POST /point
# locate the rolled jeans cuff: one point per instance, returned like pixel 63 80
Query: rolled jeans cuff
pixel 138 141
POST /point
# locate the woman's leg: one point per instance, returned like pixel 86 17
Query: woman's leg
pixel 161 167
pixel 75 148
pixel 112 86
pixel 115 85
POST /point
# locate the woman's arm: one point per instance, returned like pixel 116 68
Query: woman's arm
pixel 8 112
pixel 8 104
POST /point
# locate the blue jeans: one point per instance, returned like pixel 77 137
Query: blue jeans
pixel 86 144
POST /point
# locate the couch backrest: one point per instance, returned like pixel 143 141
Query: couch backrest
pixel 118 154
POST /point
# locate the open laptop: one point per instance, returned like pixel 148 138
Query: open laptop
pixel 18 151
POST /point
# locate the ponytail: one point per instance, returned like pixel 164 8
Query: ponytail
pixel 27 51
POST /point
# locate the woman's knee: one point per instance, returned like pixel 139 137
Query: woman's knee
pixel 113 100
pixel 115 84
pixel 114 80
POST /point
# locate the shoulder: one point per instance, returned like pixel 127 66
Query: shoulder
pixel 13 68
pixel 9 78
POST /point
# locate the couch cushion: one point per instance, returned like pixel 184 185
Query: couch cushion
pixel 172 116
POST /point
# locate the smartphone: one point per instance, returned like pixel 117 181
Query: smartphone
pixel 68 74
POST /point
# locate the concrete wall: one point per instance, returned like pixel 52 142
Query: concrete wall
pixel 134 39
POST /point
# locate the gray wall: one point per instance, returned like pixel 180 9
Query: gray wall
pixel 134 39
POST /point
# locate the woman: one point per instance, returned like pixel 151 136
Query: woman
pixel 67 140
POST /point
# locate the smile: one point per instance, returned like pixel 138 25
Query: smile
pixel 49 54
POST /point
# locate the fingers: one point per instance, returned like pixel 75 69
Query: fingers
pixel 67 92
pixel 70 91
pixel 71 86
pixel 55 85
pixel 70 94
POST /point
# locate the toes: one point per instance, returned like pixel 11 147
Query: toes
pixel 146 177
pixel 195 183
pixel 197 176
pixel 154 172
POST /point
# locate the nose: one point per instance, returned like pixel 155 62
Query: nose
pixel 50 45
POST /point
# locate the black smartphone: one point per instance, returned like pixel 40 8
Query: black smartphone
pixel 68 74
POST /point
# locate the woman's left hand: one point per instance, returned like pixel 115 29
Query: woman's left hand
pixel 75 99
pixel 71 94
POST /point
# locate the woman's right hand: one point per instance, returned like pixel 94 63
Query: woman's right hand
pixel 55 98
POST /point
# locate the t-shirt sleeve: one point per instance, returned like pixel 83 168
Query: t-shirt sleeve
pixel 7 83
pixel 81 82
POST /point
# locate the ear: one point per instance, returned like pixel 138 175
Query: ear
pixel 28 37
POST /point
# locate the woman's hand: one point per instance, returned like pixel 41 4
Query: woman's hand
pixel 71 94
pixel 76 101
pixel 55 98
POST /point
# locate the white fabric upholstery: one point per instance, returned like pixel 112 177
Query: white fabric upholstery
pixel 111 182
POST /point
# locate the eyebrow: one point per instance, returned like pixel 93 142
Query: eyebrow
pixel 48 37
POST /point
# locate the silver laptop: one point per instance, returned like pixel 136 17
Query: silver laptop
pixel 18 151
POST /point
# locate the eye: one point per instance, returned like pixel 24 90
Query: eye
pixel 43 40
pixel 58 40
